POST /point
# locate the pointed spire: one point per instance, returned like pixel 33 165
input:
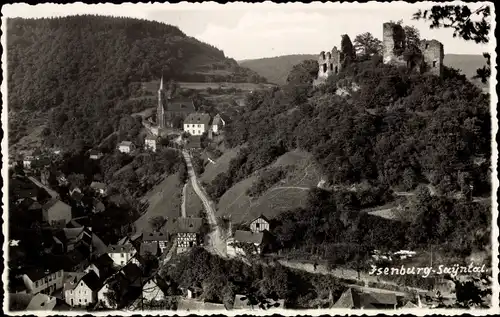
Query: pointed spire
pixel 161 82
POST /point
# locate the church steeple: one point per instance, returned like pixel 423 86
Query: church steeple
pixel 160 112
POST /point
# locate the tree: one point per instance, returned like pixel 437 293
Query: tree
pixel 367 45
pixel 156 222
pixel 348 53
pixel 460 18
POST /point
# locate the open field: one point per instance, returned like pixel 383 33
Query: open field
pixel 221 165
pixel 289 193
pixel 164 200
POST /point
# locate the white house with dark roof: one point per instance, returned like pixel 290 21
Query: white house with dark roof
pixel 126 147
pixel 121 254
pixel 95 154
pixel 218 124
pixel 84 292
pixel 259 224
pixel 258 239
pixel 197 123
pixel 39 280
pixel 150 143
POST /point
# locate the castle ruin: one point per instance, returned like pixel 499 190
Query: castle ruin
pixel 430 59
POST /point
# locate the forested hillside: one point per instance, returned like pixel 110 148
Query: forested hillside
pixel 81 69
pixel 377 127
pixel 276 69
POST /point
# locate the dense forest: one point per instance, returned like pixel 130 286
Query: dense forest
pixel 82 70
pixel 379 127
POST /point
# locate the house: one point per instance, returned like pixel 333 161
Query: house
pixel 121 254
pixel 260 240
pixel 95 154
pixel 28 160
pixel 70 280
pixel 21 188
pixel 218 124
pixel 354 299
pixel 154 289
pixel 259 224
pixel 149 248
pixel 103 267
pixel 31 302
pixel 150 143
pixel 97 206
pixel 187 230
pixel 121 289
pixel 84 292
pixel 126 147
pixel 40 280
pixel 70 238
pixel 242 302
pixel 98 187
pixel 132 274
pixel 159 237
pixel 197 123
pixel 56 213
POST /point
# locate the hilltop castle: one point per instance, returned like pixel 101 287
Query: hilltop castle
pixel 394 43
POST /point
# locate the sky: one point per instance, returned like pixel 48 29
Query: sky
pixel 248 31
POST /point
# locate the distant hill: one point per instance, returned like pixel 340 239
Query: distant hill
pixel 276 69
pixel 82 67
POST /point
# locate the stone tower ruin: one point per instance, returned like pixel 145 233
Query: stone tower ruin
pixel 432 55
pixel 394 42
pixel 329 63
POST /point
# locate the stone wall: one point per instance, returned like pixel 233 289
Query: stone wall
pixel 329 63
pixel 393 43
pixel 432 55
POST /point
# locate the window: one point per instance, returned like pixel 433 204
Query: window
pixel 324 68
pixel 80 300
pixel 426 46
pixel 336 69
pixel 257 225
pixel 434 64
pixel 199 125
pixel 122 255
pixel 59 274
pixel 36 284
pixel 331 66
pixel 122 262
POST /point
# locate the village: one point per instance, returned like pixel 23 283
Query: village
pixel 229 199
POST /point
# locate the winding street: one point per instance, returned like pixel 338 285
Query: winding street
pixel 216 243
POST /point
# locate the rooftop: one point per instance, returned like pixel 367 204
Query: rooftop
pixel 154 236
pixel 197 118
pixel 125 143
pixel 98 185
pixel 120 248
pixel 248 236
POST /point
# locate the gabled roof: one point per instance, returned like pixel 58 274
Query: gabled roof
pixel 154 236
pixel 55 203
pixel 37 273
pixel 92 281
pixel 95 152
pixel 184 225
pixel 352 298
pixel 248 237
pixel 197 118
pixel 151 138
pixel 71 280
pixel 113 248
pixel 105 266
pixel 125 143
pixel 261 217
pixel 178 104
pixel 98 185
pixel 241 302
pixel 131 272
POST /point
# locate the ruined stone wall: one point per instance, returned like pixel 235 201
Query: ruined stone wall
pixel 432 56
pixel 393 43
pixel 329 63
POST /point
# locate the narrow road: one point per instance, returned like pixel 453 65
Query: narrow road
pixel 183 205
pixel 216 243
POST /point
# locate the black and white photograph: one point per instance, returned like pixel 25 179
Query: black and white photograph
pixel 249 158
